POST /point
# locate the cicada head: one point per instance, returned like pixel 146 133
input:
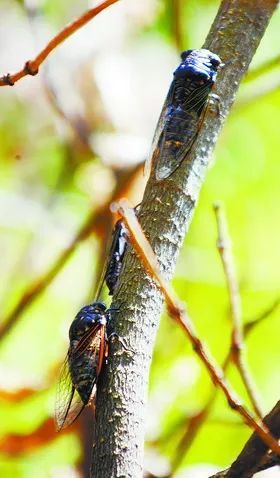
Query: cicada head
pixel 86 318
pixel 199 65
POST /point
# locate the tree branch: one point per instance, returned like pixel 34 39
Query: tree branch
pixel 37 287
pixel 31 67
pixel 194 423
pixel 264 315
pixel 165 216
pixel 94 220
pixel 178 313
pixel 269 461
pixel 262 69
pixel 254 457
pixel 237 339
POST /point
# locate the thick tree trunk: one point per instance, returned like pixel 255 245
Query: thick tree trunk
pixel 165 215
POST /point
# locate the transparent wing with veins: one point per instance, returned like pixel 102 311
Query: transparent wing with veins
pixel 69 404
pixel 154 152
pixel 181 127
pixel 176 131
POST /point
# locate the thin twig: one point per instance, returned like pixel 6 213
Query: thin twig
pixel 94 221
pixel 264 315
pixel 38 286
pixel 177 21
pixel 237 342
pixel 195 422
pixel 31 67
pixel 177 312
pixel 263 69
pixel 256 96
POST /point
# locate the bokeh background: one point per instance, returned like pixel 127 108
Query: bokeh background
pixel 73 139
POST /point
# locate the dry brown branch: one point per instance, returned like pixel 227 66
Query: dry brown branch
pixel 254 456
pixel 142 247
pixel 263 69
pixel 31 67
pixel 39 285
pixel 256 96
pixel 237 339
pixel 193 424
pixel 177 20
pixel 95 220
pixel 264 315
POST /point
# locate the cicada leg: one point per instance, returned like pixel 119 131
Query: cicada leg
pixel 122 341
pixel 214 104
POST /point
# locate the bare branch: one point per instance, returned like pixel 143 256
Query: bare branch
pixel 35 289
pixel 39 285
pixel 194 424
pixel 264 315
pixel 263 91
pixel 263 69
pixel 165 215
pixel 176 18
pixel 177 312
pixel 237 342
pixel 254 456
pixel 31 67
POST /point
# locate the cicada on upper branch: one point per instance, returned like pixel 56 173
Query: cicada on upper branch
pixel 183 111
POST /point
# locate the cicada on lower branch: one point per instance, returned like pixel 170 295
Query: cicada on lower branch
pixel 183 111
pixel 87 352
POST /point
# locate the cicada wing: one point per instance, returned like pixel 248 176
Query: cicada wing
pixel 70 399
pixel 180 131
pixel 92 347
pixel 114 245
pixel 98 290
pixel 158 131
pixel 68 403
pixel 172 152
pixel 110 249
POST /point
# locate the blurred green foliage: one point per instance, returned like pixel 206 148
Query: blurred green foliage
pixel 49 184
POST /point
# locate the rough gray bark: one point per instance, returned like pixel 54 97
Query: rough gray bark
pixel 165 215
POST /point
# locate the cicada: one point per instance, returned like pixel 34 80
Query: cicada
pixel 88 348
pixel 183 111
pixel 81 369
pixel 116 256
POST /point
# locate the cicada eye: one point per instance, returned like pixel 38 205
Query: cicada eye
pixel 99 306
pixel 215 61
pixel 185 53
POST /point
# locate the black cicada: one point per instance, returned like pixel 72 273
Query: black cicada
pixel 116 255
pixel 86 354
pixel 183 110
